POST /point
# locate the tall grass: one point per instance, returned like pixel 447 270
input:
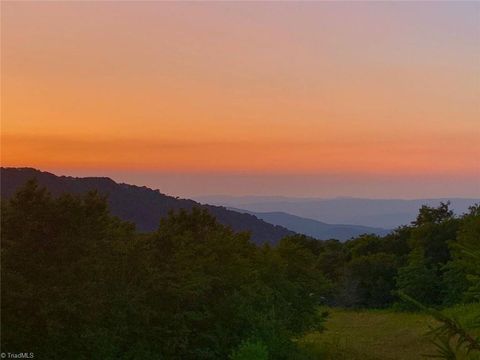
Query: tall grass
pixel 379 334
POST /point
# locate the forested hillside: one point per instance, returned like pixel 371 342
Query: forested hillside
pixel 314 228
pixel 425 259
pixel 78 282
pixel 140 205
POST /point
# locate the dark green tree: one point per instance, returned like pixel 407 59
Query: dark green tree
pixel 419 280
pixel 63 276
pixel 462 276
pixel 368 281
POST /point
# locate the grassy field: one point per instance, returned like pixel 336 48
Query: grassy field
pixel 378 334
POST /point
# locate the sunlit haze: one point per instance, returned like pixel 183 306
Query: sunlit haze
pixel 287 98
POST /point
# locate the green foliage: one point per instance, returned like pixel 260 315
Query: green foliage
pixel 434 239
pixel 418 279
pixel 455 283
pixel 450 337
pixel 58 256
pixel 309 284
pixel 365 245
pixel 466 252
pixel 429 215
pixel 369 281
pixel 78 283
pixel 250 350
pixel 426 259
pixel 467 314
pixel 332 257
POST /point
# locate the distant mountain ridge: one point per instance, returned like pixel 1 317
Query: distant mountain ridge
pixel 140 205
pixel 380 213
pixel 315 228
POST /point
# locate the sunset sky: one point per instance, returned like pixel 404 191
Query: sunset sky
pixel 288 98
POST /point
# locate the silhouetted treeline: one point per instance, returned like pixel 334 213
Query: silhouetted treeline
pixel 139 205
pixel 427 260
pixel 78 283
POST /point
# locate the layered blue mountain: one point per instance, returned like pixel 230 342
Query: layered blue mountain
pixel 314 228
pixel 140 205
pixel 381 213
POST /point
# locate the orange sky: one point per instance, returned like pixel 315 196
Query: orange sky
pixel 258 88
